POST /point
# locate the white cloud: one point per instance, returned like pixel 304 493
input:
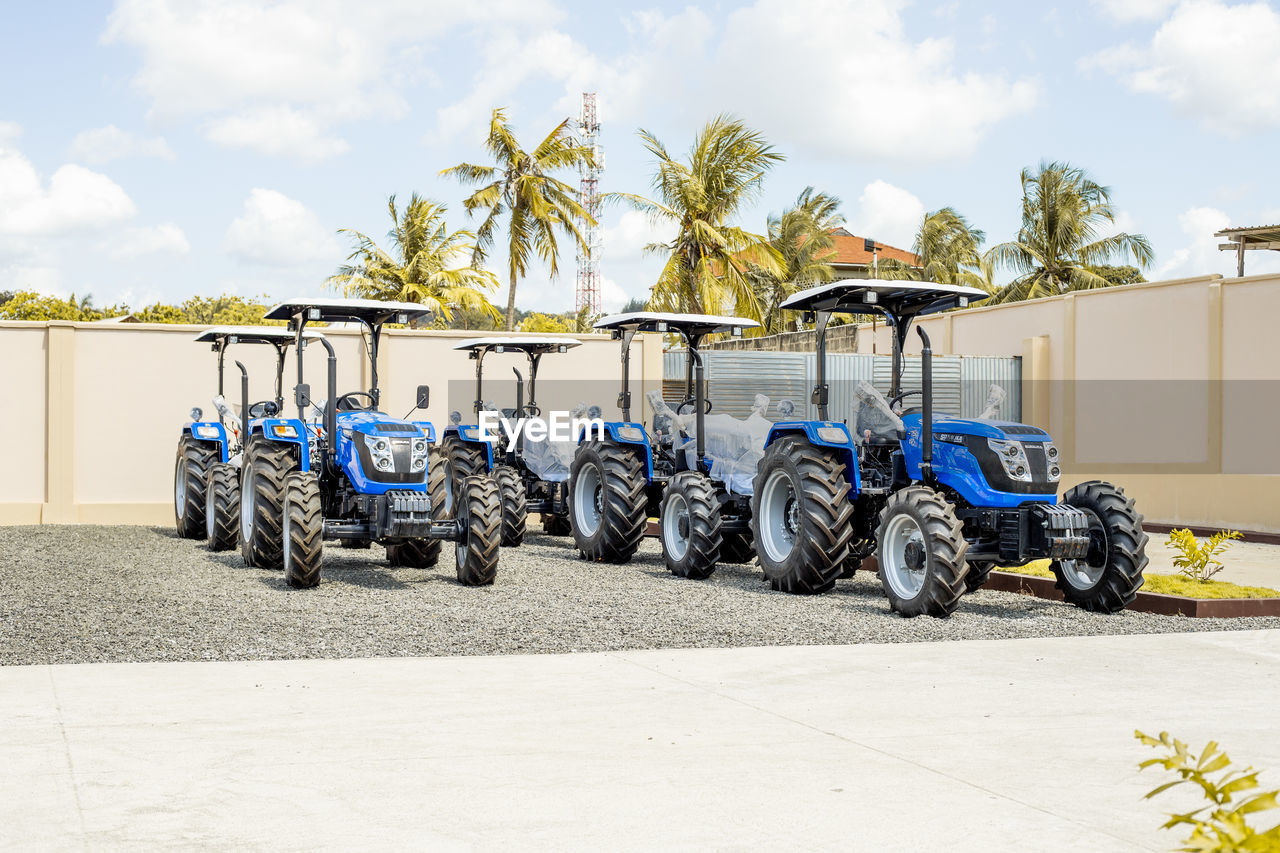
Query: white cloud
pixel 255 71
pixel 74 199
pixel 9 131
pixel 1126 11
pixel 1217 63
pixel 25 275
pixel 166 238
pixel 275 230
pixel 104 144
pixel 1200 256
pixel 887 214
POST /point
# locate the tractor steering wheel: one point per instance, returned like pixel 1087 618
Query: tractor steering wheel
pixel 896 400
pixel 346 403
pixel 690 402
pixel 531 410
pixel 265 409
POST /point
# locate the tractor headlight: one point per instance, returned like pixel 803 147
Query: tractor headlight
pixel 197 414
pixel 382 463
pixel 1055 471
pixel 284 431
pixel 1052 452
pixel 419 447
pixel 833 434
pixel 630 433
pixel 379 451
pixel 207 431
pixel 419 464
pixel 1013 458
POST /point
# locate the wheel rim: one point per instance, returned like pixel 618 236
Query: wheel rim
pixel 587 496
pixel 286 545
pixel 247 498
pixel 460 544
pixel 1086 573
pixel 180 489
pixel 448 489
pixel 779 516
pixel 675 527
pixel 210 504
pixel 904 556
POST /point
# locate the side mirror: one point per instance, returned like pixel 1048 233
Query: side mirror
pixel 424 396
pixel 302 395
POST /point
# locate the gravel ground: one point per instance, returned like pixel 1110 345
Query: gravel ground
pixel 88 594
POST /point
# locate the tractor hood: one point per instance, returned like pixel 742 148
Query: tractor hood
pixel 986 429
pixel 376 423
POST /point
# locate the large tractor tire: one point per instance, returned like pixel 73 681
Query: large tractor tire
pixel 737 548
pixel 689 519
pixel 303 531
pixel 189 479
pixel 1109 577
pixel 461 459
pixel 515 507
pixel 262 475
pixel 801 516
pixel 979 571
pixel 921 550
pixel 607 501
pixel 222 507
pixel 556 525
pixel 480 511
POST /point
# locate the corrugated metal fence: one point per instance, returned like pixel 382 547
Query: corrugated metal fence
pixel 961 383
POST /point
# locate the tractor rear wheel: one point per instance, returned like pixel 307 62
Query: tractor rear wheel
pixel 189 479
pixel 556 525
pixel 222 507
pixel 303 531
pixel 461 460
pixel 480 512
pixel 262 475
pixel 689 518
pixel 515 508
pixel 737 548
pixel 801 516
pixel 921 553
pixel 607 501
pixel 979 571
pixel 1109 577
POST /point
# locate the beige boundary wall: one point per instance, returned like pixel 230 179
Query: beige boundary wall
pixel 90 413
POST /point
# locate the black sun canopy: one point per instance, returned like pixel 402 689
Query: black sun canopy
pixel 892 298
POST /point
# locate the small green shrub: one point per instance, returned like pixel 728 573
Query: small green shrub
pixel 1200 561
pixel 1233 795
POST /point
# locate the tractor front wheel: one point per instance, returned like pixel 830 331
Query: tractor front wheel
pixel 801 516
pixel 556 525
pixel 480 513
pixel 189 478
pixel 737 548
pixel 460 459
pixel 1108 578
pixel 979 571
pixel 690 521
pixel 303 531
pixel 607 501
pixel 222 507
pixel 921 553
pixel 515 508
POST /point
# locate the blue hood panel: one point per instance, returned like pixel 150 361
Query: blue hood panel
pixel 985 429
pixel 367 423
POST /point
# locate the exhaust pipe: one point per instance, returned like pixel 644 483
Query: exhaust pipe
pixel 926 408
pixel 244 405
pixel 331 406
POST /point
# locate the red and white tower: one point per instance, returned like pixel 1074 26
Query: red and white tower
pixel 588 291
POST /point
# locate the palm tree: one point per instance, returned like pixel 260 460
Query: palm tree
pixel 521 187
pixel 421 265
pixel 707 263
pixel 947 247
pixel 802 239
pixel 1063 210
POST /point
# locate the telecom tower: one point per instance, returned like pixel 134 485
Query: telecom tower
pixel 588 292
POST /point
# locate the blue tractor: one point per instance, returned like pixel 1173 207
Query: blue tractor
pixel 206 491
pixel 355 474
pixel 619 481
pixel 528 474
pixel 939 500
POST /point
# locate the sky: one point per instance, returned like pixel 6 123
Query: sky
pixel 151 150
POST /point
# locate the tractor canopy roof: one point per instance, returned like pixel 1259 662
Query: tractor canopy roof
pixel 876 296
pixel 250 335
pixel 530 345
pixel 686 324
pixel 337 309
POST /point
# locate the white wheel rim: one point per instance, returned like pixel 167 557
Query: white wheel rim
pixel 448 489
pixel 1079 573
pixel 779 516
pixel 675 527
pixel 901 532
pixel 180 489
pixel 209 504
pixel 246 506
pixel 284 531
pixel 460 545
pixel 586 499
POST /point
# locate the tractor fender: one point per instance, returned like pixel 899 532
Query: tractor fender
pixel 469 433
pixel 285 431
pixel 208 432
pixel 427 427
pixel 813 432
pixel 627 432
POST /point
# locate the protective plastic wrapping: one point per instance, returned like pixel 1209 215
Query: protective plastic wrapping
pixel 874 416
pixel 230 418
pixel 733 447
pixel 550 460
pixel 995 403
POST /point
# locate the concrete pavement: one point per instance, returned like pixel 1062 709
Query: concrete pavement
pixel 973 745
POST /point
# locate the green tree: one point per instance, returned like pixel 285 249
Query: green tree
pixel 949 251
pixel 159 313
pixel 545 324
pixel 801 238
pixel 1063 212
pixel 421 266
pixel 224 311
pixel 29 305
pixel 1117 274
pixel 632 305
pixel 707 262
pixel 521 187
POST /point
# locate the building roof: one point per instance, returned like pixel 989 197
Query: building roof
pixel 850 250
pixel 1267 232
